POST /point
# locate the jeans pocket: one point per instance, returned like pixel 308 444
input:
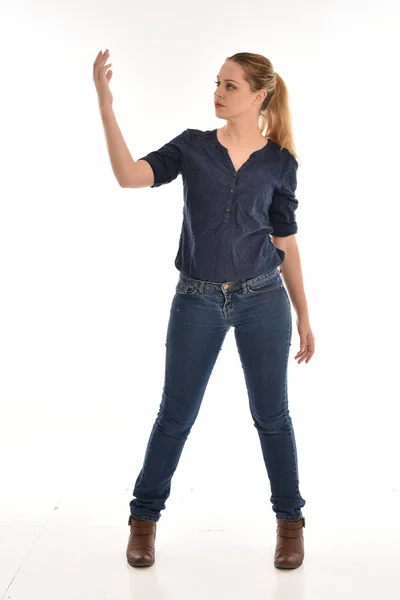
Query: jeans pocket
pixel 188 289
pixel 270 284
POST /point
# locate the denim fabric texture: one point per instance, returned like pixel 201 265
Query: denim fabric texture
pixel 201 314
pixel 228 215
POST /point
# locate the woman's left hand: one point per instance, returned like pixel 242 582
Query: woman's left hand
pixel 307 341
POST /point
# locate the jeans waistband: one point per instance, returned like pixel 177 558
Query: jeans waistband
pixel 232 285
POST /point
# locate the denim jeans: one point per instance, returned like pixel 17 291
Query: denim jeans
pixel 201 314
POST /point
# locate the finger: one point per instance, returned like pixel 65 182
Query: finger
pixel 98 58
pixel 307 356
pixel 102 66
pixel 101 58
pixel 304 351
pixel 97 63
pixel 301 352
pixel 306 348
pixel 101 70
pixel 302 358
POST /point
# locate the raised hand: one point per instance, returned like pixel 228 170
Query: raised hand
pixel 101 78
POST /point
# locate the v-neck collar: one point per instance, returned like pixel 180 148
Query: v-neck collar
pixel 225 151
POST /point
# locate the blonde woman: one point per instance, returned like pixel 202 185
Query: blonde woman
pixel 237 250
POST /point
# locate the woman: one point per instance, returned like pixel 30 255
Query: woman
pixel 237 238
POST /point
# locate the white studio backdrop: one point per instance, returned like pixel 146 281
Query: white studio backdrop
pixel 87 268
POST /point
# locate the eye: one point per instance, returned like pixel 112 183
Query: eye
pixel 228 85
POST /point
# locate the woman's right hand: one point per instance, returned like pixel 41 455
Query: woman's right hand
pixel 102 78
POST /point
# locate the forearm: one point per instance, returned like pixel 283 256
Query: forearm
pixel 293 278
pixel 120 157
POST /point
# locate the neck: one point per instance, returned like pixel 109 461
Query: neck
pixel 242 134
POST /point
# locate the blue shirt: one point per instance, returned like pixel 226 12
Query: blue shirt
pixel 228 215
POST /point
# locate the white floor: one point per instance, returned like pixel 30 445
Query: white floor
pixel 64 530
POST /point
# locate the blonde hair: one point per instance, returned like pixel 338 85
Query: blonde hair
pixel 275 120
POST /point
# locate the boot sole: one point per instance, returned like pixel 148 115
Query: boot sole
pixel 140 566
pixel 288 567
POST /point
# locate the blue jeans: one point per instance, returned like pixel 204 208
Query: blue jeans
pixel 202 312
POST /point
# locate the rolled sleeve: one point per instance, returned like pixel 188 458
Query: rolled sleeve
pixel 284 202
pixel 167 161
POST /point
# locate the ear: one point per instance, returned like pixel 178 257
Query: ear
pixel 261 96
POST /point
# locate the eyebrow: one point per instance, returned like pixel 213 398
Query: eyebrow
pixel 229 80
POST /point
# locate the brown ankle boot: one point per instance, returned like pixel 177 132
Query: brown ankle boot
pixel 141 551
pixel 289 551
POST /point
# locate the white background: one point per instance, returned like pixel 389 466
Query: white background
pixel 87 278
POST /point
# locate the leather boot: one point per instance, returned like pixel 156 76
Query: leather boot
pixel 141 551
pixel 289 551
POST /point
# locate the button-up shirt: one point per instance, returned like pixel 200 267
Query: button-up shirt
pixel 228 215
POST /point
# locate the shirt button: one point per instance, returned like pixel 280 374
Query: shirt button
pixel 227 209
pixel 231 190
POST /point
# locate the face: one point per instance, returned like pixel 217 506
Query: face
pixel 234 93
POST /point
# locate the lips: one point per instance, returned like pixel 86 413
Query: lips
pixel 218 104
